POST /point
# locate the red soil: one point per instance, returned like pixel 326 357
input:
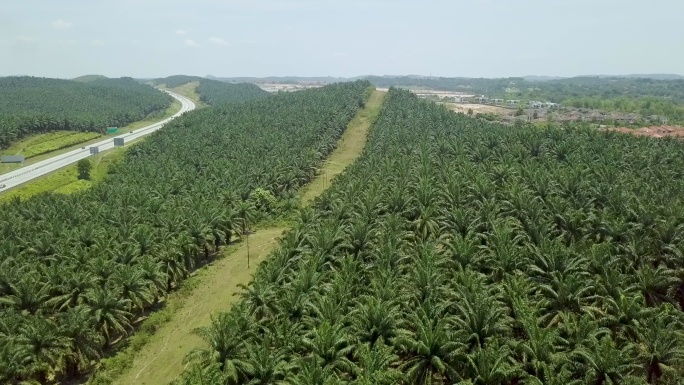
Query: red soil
pixel 654 131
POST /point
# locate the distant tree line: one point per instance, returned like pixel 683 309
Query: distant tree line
pixel 632 95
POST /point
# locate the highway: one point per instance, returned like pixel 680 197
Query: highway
pixel 30 172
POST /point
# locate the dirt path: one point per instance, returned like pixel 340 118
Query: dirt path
pixel 161 359
pixel 348 148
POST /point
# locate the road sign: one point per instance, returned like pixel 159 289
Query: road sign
pixel 118 142
pixel 12 159
pixel 94 150
pixel 112 130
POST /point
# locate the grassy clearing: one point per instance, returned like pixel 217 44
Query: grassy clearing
pixel 157 357
pixel 189 90
pixel 154 118
pixel 58 143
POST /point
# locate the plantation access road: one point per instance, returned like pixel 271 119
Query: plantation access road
pixel 28 173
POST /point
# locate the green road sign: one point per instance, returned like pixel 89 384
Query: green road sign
pixel 112 130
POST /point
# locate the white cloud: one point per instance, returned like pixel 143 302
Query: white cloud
pixel 218 41
pixel 182 31
pixel 62 24
pixel 191 43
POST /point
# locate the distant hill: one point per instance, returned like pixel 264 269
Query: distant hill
pixel 284 79
pixel 657 76
pixel 534 78
pixel 635 76
pixel 89 78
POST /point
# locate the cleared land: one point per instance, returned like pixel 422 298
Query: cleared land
pixel 161 359
pixel 189 90
pixel 478 108
pixel 654 131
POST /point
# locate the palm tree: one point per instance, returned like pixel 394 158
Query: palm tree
pixel 43 346
pixel 72 289
pixel 427 349
pixel 134 287
pixel 78 326
pixel 480 317
pixel 245 213
pixel 374 364
pixel 607 363
pixel 540 346
pixel 661 346
pixel 490 365
pixel 375 319
pixel 331 344
pixel 28 294
pixel 265 366
pixel 310 371
pixel 109 311
pixel 226 346
pixel 202 375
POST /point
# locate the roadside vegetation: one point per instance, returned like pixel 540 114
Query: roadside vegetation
pixel 44 143
pixel 33 105
pixel 461 251
pixel 79 272
pixel 65 180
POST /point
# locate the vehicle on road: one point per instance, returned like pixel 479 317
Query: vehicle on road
pixel 2 186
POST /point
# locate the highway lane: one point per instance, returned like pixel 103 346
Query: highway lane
pixel 30 172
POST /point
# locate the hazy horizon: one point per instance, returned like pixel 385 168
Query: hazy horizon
pixel 242 38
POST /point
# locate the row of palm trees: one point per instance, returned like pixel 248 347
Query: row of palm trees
pixel 36 105
pixel 459 251
pixel 98 261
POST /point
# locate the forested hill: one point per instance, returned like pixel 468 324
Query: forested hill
pixel 32 105
pixel 214 92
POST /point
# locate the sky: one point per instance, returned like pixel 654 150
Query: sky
pixel 470 38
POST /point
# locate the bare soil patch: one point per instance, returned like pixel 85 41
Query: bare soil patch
pixel 653 131
pixel 478 108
